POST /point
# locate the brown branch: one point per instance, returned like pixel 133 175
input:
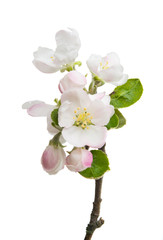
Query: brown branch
pixel 94 221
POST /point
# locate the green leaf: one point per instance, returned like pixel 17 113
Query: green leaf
pixel 122 120
pixel 126 94
pixel 113 123
pixel 54 116
pixel 99 166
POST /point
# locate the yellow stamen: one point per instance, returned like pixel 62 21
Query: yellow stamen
pixel 83 118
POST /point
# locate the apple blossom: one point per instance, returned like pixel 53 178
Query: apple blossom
pixel 68 45
pixel 71 80
pixel 107 68
pixel 53 159
pixel 79 159
pixel 83 120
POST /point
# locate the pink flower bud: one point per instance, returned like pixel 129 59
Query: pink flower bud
pixel 72 79
pixel 53 159
pixel 79 159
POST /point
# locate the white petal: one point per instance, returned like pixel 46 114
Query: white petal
pixel 45 61
pixel 113 59
pixel 40 110
pixel 95 136
pixel 66 114
pixel 68 45
pixel 93 63
pixel 77 96
pixel 29 104
pixel 106 100
pixel 122 81
pixel 100 112
pixel 112 74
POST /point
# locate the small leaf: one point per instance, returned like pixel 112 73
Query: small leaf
pixel 54 116
pixel 122 120
pixel 113 123
pixel 99 166
pixel 126 94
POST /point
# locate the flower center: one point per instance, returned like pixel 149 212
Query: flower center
pixel 104 66
pixel 82 118
pixel 52 58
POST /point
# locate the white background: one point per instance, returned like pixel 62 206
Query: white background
pixel 35 205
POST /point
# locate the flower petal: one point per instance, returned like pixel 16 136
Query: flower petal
pixel 71 80
pixel 45 61
pixel 77 96
pixel 68 45
pixel 66 113
pixel 40 110
pixel 100 112
pixel 113 59
pixel 93 63
pixel 29 104
pixel 95 136
pixel 112 74
pixel 79 159
pixel 122 81
pixel 53 159
pixel 97 96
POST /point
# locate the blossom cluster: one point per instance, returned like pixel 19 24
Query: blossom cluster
pixel 81 116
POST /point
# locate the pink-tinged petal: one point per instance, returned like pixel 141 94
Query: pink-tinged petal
pixel 93 63
pixel 45 61
pixel 77 96
pixel 122 81
pixel 79 159
pixel 95 136
pixel 53 159
pixel 68 45
pixel 100 112
pixel 40 110
pixel 71 80
pixel 29 104
pixel 87 158
pixel 97 96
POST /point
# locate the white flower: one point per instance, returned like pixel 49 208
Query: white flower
pixel 83 120
pixel 79 159
pixel 107 68
pixel 71 80
pixel 53 159
pixel 68 45
pixel 41 109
